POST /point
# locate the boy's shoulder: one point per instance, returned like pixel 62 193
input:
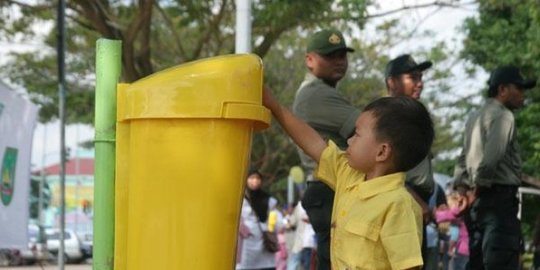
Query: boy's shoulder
pixel 399 198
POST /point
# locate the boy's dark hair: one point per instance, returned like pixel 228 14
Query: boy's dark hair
pixel 406 124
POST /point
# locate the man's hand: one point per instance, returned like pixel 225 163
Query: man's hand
pixel 471 196
pixel 467 196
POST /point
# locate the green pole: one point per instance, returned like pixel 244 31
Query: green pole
pixel 108 69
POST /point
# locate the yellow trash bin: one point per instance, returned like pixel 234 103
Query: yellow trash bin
pixel 183 145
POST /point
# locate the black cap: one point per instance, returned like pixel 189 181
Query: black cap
pixel 404 64
pixel 509 74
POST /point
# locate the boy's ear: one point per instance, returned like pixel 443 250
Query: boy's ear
pixel 384 153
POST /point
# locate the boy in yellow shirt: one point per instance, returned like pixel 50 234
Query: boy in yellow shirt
pixel 376 224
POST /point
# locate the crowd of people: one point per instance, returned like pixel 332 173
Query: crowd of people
pixel 446 235
pixel 371 201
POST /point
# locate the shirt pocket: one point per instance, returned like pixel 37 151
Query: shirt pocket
pixel 364 230
pixel 359 246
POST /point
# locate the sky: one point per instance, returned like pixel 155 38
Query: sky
pixel 444 23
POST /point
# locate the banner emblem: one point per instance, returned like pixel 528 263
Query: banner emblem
pixel 9 164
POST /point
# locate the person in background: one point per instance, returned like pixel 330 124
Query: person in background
pixel 432 241
pixel 290 230
pixel 459 237
pixel 256 206
pixel 319 103
pixel 304 240
pixel 403 77
pixel 282 254
pixel 490 166
pixel 444 244
pixel 275 224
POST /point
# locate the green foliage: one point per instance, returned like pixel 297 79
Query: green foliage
pixel 155 34
pixel 279 190
pixel 444 166
pixel 160 34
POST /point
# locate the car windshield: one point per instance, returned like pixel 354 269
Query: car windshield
pixel 56 236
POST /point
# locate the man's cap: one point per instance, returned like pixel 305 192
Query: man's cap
pixel 404 64
pixel 327 41
pixel 509 74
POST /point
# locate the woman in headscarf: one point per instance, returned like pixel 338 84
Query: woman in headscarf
pixel 255 208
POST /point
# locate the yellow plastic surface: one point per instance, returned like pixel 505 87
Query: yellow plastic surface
pixel 121 184
pixel 183 145
pixel 218 87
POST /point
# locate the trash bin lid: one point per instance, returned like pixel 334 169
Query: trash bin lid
pixel 227 87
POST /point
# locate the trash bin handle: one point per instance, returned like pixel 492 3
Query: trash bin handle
pixel 247 111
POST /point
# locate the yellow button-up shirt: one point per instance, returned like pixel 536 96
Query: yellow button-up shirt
pixel 376 224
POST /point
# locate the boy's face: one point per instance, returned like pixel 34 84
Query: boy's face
pixel 363 145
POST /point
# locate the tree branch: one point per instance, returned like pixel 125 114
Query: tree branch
pixel 144 56
pixel 418 6
pixel 96 15
pixel 128 45
pixel 81 23
pixel 269 39
pixel 214 24
pixel 179 48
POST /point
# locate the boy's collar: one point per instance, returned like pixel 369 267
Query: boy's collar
pixel 380 184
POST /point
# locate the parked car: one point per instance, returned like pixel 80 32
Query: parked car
pixel 87 244
pixel 72 244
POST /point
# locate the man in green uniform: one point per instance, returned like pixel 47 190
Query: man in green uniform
pixel 490 166
pixel 319 103
pixel 404 78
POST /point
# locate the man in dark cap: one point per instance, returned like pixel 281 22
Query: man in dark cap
pixel 403 77
pixel 319 103
pixel 490 167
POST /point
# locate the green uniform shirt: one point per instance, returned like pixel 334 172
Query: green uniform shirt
pixel 420 179
pixel 324 109
pixel 490 151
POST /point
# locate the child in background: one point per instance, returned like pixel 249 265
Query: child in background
pixel 376 224
pixel 275 224
pixel 460 249
pixel 282 254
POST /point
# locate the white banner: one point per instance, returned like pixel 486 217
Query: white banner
pixel 17 122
